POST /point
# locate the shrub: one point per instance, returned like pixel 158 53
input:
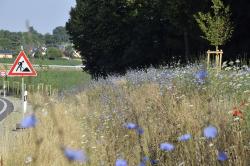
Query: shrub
pixel 53 53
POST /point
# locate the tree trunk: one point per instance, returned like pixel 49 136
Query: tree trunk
pixel 186 44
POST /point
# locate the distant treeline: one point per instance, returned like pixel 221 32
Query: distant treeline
pixel 13 41
pixel 117 35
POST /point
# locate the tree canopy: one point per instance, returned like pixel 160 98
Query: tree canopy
pixel 32 39
pixel 60 35
pixel 216 25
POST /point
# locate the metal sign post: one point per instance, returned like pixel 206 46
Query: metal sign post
pixel 23 95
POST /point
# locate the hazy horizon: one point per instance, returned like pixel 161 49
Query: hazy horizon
pixel 43 15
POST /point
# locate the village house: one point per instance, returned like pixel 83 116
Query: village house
pixel 76 54
pixel 6 54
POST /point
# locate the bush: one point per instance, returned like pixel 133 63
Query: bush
pixel 38 54
pixel 53 53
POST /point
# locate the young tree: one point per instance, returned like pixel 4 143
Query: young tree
pixel 216 25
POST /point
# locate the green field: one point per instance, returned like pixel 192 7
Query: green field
pixel 71 62
pixel 58 79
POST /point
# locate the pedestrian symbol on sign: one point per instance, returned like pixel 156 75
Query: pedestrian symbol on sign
pixel 20 66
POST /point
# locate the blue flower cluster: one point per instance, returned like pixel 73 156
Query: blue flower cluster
pixel 29 121
pixel 185 137
pixel 166 146
pixel 209 132
pixel 74 155
pixel 133 126
pixel 120 162
pixel 201 76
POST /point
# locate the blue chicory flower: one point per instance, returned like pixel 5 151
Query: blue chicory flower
pixel 210 132
pixel 145 158
pixel 144 161
pixel 184 137
pixel 130 125
pixel 201 76
pixel 153 162
pixel 29 121
pixel 120 162
pixel 139 131
pixel 166 146
pixel 142 164
pixel 222 156
pixel 74 155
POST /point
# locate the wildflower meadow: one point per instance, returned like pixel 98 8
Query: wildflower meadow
pixel 171 116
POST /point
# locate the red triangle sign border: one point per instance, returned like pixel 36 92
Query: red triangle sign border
pixel 22 54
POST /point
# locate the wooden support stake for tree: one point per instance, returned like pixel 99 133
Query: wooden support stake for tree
pixel 218 58
pixel 208 58
pixel 221 59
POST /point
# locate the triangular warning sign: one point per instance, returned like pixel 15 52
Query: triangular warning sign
pixel 22 66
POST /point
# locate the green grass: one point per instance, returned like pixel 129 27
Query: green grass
pixel 71 62
pixel 58 79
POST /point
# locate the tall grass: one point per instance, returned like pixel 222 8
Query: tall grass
pixel 165 103
pixel 40 146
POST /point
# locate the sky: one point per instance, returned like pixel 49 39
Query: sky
pixel 43 15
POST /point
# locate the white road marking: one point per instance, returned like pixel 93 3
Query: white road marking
pixel 4 107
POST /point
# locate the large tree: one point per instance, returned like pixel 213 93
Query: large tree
pixel 117 35
pixel 102 31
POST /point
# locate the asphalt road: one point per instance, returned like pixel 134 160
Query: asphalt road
pixel 6 107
